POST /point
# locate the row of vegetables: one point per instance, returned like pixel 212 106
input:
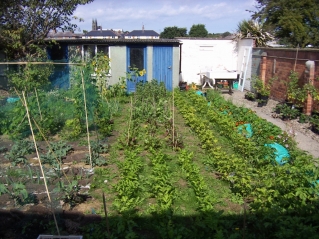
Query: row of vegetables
pixel 251 169
pixel 157 180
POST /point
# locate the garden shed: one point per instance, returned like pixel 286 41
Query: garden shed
pixel 159 57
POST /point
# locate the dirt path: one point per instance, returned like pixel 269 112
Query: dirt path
pixel 305 138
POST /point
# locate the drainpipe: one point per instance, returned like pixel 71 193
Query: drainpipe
pixel 180 58
pixel 263 67
pixel 310 77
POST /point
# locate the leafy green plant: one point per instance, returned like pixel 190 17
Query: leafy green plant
pixel 129 186
pixel 57 151
pixel 69 193
pixel 72 129
pixel 20 195
pixel 250 96
pixel 96 150
pixel 288 112
pixel 303 118
pixel 314 120
pixel 297 93
pixel 18 152
pixel 3 189
pixel 261 87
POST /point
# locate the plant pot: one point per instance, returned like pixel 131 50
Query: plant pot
pixel 250 98
pixel 289 103
pixel 299 108
pixel 182 85
pixel 263 97
pixel 315 113
pixel 285 118
pixel 315 129
pixel 220 85
pixel 262 103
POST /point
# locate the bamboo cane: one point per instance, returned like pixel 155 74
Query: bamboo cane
pixel 86 120
pixel 36 149
pixel 129 123
pixel 173 115
pixel 36 94
pixel 38 127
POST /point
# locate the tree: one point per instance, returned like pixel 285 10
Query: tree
pixel 198 30
pixel 254 29
pixel 293 21
pixel 171 32
pixel 24 24
pixel 226 34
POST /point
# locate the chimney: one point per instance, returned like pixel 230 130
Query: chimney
pixel 143 28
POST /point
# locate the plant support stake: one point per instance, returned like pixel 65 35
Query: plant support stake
pixel 86 120
pixel 36 148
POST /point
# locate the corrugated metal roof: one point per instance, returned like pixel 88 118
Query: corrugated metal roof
pixel 117 41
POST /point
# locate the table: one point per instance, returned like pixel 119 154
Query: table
pixel 217 76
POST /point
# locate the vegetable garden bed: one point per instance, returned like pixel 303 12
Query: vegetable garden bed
pixel 163 176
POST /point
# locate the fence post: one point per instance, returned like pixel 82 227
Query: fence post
pixel 263 67
pixel 310 77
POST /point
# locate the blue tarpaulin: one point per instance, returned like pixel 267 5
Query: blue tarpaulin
pixel 281 153
pixel 246 130
pixel 12 100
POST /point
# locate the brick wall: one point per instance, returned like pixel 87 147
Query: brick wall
pixel 280 62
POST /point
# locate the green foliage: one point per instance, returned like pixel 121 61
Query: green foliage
pixel 289 112
pixel 198 30
pixel 297 93
pixel 57 151
pixel 96 150
pixel 3 189
pixel 315 121
pixel 253 173
pixel 160 183
pixel 103 114
pixel 172 32
pixel 129 186
pixel 69 193
pixel 205 198
pixel 100 178
pixel 294 22
pixel 19 151
pixel 261 87
pixel 24 24
pixel 253 29
pixel 72 129
pixel 30 76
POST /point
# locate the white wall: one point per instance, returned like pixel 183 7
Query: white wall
pixel 206 55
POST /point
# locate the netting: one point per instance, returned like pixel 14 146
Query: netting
pixel 43 105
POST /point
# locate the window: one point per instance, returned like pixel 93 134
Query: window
pixel 137 57
pixel 57 52
pixel 103 48
pixel 89 51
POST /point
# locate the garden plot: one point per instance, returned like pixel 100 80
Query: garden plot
pixel 160 176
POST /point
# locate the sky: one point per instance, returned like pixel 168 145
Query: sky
pixel 218 16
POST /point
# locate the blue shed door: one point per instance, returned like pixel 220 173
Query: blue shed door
pixel 136 58
pixel 163 65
